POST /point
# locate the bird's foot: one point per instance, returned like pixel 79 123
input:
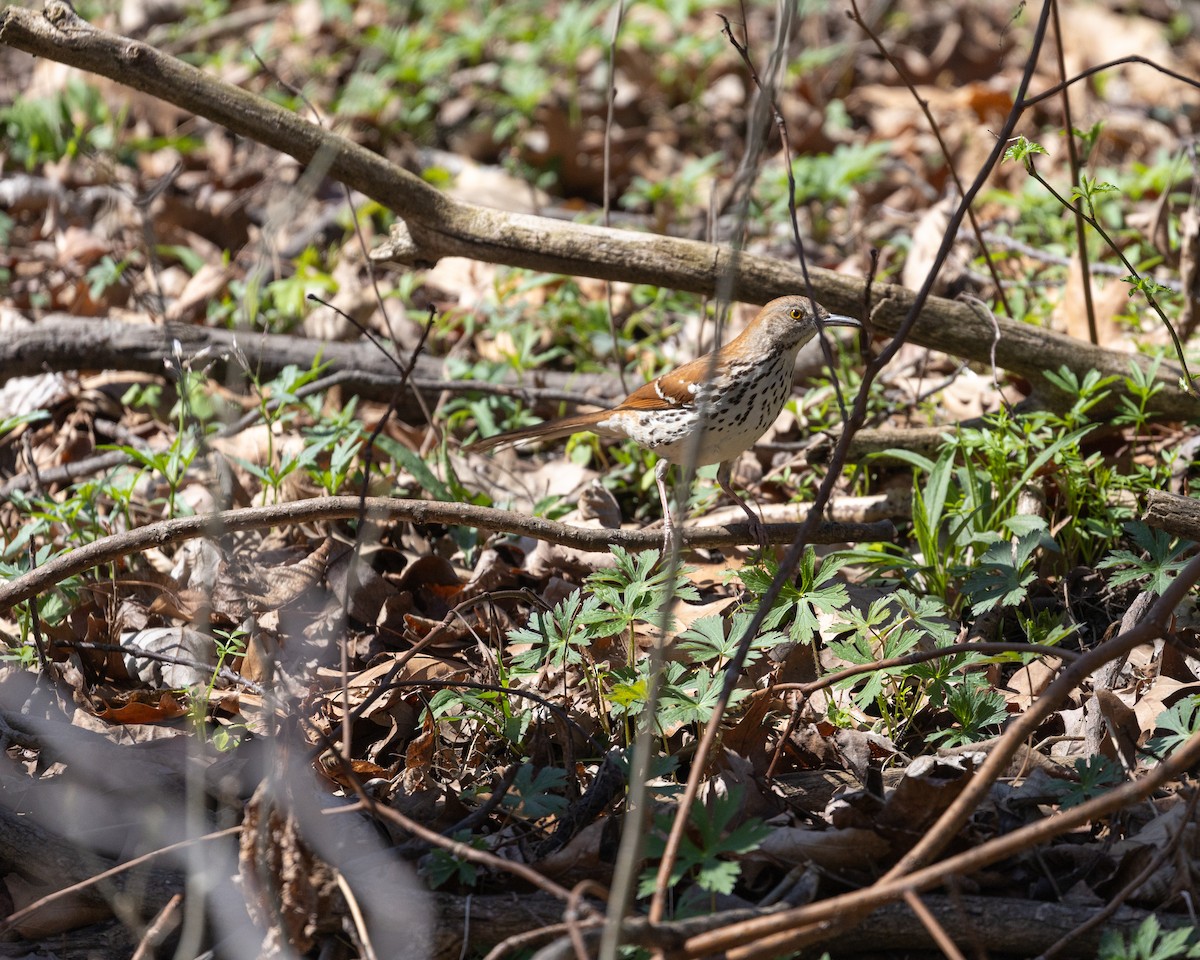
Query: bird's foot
pixel 758 530
pixel 671 537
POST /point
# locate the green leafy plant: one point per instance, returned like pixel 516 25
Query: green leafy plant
pixel 970 538
pixel 1005 571
pixel 487 414
pixel 824 182
pixel 1150 942
pixel 891 627
pixel 46 129
pixel 331 476
pixel 401 76
pixel 557 637
pixel 708 641
pixel 686 696
pixel 877 634
pixel 799 605
pixel 9 424
pixel 614 602
pixel 1140 388
pixel 230 644
pixel 669 197
pixel 105 274
pixel 282 402
pixel 490 710
pixel 1159 559
pixel 931 567
pixel 537 792
pixel 1097 775
pixel 561 637
pixel 706 851
pixel 1046 627
pixel 443 866
pixel 171 464
pixel 1182 722
pixel 977 711
pixel 636 590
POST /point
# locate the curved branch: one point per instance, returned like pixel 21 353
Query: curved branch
pixel 1100 68
pixel 383 509
pixel 438 226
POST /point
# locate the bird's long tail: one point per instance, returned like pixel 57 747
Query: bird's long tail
pixel 550 430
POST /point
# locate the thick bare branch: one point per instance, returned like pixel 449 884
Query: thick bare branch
pixel 439 226
pixel 382 509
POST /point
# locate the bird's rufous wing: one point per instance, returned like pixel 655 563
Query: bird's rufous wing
pixel 675 388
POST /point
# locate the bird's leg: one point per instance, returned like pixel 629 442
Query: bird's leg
pixel 660 477
pixel 757 529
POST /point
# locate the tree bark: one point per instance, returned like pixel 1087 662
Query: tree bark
pixel 438 226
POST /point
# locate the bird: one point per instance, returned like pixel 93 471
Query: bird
pixel 709 410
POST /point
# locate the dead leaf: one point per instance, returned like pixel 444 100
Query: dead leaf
pixel 139 710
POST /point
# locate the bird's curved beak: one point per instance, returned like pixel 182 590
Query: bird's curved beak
pixel 838 320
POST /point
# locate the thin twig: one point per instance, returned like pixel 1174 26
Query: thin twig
pixel 1187 382
pixel 930 922
pixel 611 99
pixel 790 930
pixel 1073 160
pixel 858 414
pixel 733 669
pixel 919 656
pixel 856 419
pixel 225 673
pixel 356 915
pixel 161 927
pixel 1035 99
pixel 854 14
pixel 456 849
pixel 25 912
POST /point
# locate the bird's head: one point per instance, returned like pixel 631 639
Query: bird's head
pixel 789 322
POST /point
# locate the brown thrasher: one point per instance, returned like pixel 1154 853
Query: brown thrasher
pixel 709 410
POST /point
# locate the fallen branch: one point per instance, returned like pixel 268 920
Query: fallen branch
pixel 985 924
pixel 58 343
pixel 1178 516
pixel 437 226
pixel 385 510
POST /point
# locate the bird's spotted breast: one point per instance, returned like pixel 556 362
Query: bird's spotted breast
pixel 732 418
pixel 733 411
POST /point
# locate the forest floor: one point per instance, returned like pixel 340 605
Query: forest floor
pixel 290 671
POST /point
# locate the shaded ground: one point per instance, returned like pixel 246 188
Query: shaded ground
pixel 316 708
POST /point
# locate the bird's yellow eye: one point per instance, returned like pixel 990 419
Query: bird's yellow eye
pixel 795 313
